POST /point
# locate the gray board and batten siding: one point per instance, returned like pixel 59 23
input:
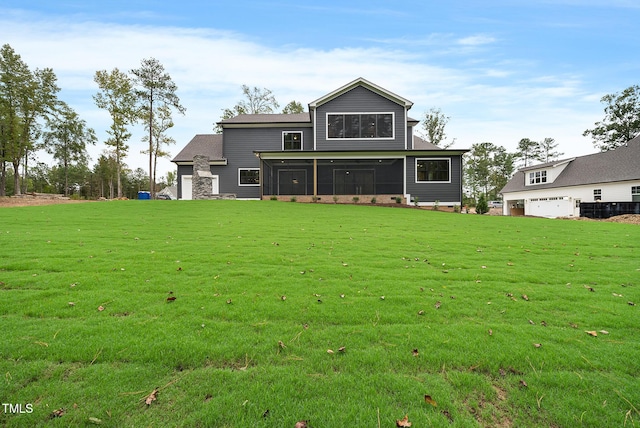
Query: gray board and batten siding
pixel 436 191
pixel 360 100
pixel 240 145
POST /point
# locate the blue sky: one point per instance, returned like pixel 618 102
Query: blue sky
pixel 501 69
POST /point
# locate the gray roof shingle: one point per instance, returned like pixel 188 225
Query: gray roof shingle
pixel 268 118
pixel 202 144
pixel 621 164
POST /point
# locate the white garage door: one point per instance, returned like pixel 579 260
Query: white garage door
pixel 549 207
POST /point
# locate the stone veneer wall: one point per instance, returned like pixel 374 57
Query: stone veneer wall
pixel 201 178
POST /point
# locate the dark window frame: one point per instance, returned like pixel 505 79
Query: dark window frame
pixel 361 126
pixel 246 179
pixel 437 176
pixel 286 135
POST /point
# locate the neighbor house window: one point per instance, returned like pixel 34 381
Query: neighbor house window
pixel 537 177
pixel 360 125
pixel 433 170
pixel 291 140
pixel 249 176
pixel 635 193
pixel 597 194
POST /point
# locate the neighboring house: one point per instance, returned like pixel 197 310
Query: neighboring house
pixel 555 189
pixel 169 192
pixel 355 141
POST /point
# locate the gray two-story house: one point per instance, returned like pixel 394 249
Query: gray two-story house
pixel 356 141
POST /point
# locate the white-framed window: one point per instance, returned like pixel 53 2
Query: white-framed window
pixel 433 170
pixel 597 194
pixel 635 193
pixel 360 126
pixel 537 177
pixel 291 140
pixel 248 176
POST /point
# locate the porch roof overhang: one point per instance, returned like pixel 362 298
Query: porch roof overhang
pixel 353 154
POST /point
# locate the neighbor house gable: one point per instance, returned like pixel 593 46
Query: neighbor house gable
pixel 616 165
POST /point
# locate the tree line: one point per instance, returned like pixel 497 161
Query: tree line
pixel 488 167
pixel 33 118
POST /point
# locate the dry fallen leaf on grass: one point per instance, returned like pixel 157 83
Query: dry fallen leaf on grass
pixel 523 383
pixel 302 424
pixel 330 351
pixel 57 413
pixel 429 400
pixel 151 397
pixel 537 345
pixel 437 305
pixel 171 298
pixel 604 332
pixel 592 333
pixel 101 308
pixel 525 297
pixel 403 422
pixel 281 344
pixel 415 352
pixel 342 349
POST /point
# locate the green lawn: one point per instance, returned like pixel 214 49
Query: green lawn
pixel 341 315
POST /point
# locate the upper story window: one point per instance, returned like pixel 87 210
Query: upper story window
pixel 597 194
pixel 537 177
pixel 291 140
pixel 360 125
pixel 433 170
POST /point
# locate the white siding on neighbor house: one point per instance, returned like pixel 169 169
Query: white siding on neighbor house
pixel 538 202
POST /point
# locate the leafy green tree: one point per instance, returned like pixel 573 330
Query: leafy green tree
pixel 434 124
pixel 528 151
pixel 117 96
pixel 487 169
pixel 547 147
pixel 172 177
pixel 162 122
pixel 154 89
pixel 25 97
pixel 67 140
pixel 256 101
pixel 502 171
pixel 75 179
pixel 482 207
pixel 39 178
pixel 105 172
pixel 621 121
pixel 293 107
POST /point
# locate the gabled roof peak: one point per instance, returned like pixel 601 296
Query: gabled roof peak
pixel 360 81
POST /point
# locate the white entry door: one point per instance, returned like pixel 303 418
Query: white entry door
pixel 215 187
pixel 186 187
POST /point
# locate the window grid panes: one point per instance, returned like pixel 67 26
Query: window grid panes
pixel 361 125
pixel 597 194
pixel 428 170
pixel 292 141
pixel 249 177
pixel 537 177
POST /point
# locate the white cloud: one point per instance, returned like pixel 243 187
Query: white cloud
pixel 209 67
